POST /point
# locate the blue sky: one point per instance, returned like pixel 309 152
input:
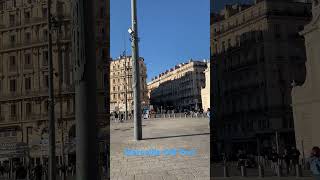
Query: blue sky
pixel 170 31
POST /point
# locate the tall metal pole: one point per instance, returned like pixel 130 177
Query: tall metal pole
pixel 136 73
pixel 84 49
pixel 52 138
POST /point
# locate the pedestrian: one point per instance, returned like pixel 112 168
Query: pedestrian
pixel 274 161
pixel 314 161
pixel 37 171
pixel 1 169
pixel 208 115
pixel 21 172
pixel 116 116
pixel 122 117
pixel 295 154
pixel 286 158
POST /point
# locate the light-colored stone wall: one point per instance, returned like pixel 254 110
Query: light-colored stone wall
pixel 205 92
pixel 306 97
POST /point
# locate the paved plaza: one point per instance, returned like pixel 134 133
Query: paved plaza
pixel 253 173
pixel 161 134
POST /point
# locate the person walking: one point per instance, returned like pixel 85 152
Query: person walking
pixel 286 158
pixel 274 159
pixel 1 170
pixel 314 161
pixel 37 172
pixel 21 172
pixel 116 117
pixel 295 154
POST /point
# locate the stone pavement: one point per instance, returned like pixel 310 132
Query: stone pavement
pixel 161 134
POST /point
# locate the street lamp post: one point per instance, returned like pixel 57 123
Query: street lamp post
pixel 135 72
pixel 84 54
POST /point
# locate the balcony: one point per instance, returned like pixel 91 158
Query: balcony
pixel 24 44
pixel 28 66
pixel 13 118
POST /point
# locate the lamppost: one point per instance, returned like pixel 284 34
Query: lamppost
pixel 84 54
pixel 135 72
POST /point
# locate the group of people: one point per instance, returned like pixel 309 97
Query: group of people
pixel 120 117
pixel 36 172
pixel 290 157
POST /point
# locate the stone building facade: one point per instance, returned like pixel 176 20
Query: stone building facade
pixel 24 75
pixel 306 97
pixel 179 88
pixel 121 84
pixel 256 53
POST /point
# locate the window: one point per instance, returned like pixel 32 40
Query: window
pixel 12 62
pixel 27 16
pixel 27 59
pixel 13 110
pixel 28 37
pixel 45 34
pixel 12 19
pixel 277 31
pixel 12 85
pixel 223 46
pixel 44 12
pixel 45 58
pixel 46 81
pixel 12 39
pixel 28 109
pixel 46 105
pixel 28 83
pixel 60 8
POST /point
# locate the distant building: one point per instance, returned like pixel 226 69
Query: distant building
pixel 178 88
pixel 205 92
pixel 306 96
pixel 257 52
pixel 121 84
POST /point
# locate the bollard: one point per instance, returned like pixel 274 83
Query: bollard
pixel 298 170
pixel 261 171
pixel 243 171
pixel 225 170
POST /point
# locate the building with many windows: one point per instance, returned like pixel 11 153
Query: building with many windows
pixel 179 88
pixel 121 90
pixel 256 53
pixel 24 76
